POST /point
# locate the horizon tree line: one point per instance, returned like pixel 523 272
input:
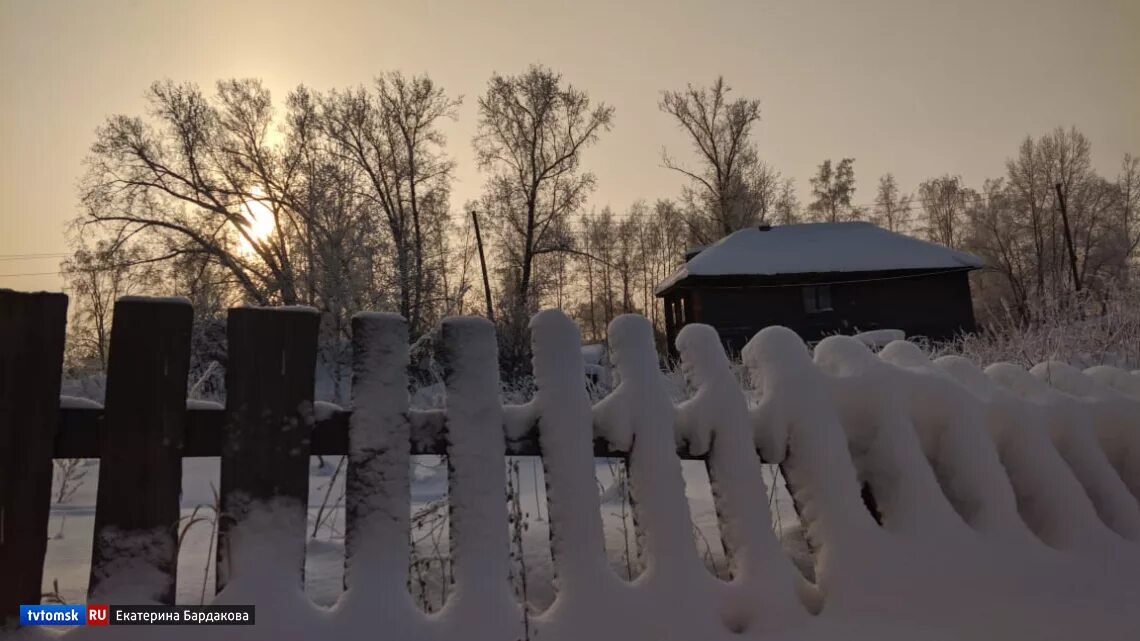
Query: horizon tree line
pixel 341 201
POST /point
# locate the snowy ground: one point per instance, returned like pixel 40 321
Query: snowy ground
pixel 70 528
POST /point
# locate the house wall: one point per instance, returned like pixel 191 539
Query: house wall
pixel 937 306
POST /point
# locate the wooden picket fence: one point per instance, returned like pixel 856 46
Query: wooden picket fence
pixel 1065 495
pixel 145 429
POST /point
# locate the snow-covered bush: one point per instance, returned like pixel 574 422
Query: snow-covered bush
pixel 1084 332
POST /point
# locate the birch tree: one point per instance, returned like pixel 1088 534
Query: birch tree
pixel 533 128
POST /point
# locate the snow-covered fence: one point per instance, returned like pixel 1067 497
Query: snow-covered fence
pixel 1006 499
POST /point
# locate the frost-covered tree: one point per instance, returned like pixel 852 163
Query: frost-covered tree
pixel 729 188
pixel 1128 203
pixel 390 134
pixel 532 130
pixel 1016 224
pixel 832 188
pixel 944 203
pixel 786 210
pixel 892 207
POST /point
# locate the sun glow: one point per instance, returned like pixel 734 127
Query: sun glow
pixel 259 221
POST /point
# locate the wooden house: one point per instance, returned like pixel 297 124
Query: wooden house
pixel 820 279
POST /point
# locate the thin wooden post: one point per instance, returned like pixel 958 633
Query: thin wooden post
pixel 265 442
pixel 31 362
pixel 134 555
pixel 483 266
pixel 1068 237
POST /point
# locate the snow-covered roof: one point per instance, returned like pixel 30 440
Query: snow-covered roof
pixel 818 248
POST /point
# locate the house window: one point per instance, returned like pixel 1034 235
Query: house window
pixel 817 298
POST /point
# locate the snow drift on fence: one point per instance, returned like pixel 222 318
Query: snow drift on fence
pixel 1005 499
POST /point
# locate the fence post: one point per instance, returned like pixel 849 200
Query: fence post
pixel 577 541
pixel 134 555
pixel 31 363
pixel 477 477
pixel 265 442
pixel 377 491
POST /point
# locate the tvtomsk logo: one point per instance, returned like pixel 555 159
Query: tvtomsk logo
pixel 63 615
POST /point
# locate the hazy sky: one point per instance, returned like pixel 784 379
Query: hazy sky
pixel 917 88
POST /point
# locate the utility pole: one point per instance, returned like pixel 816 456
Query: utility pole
pixel 1068 236
pixel 483 265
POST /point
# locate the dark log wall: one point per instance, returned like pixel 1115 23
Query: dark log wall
pixel 937 306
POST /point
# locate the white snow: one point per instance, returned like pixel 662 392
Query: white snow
pixel 880 337
pixel 589 596
pixel 818 248
pixel 78 403
pixel 476 486
pixel 166 300
pixel 132 574
pixel 594 354
pixel 304 309
pixel 324 410
pixel 716 420
pixel 378 483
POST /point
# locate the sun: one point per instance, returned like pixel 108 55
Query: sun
pixel 259 219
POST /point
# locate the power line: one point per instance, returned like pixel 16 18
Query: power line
pixel 34 255
pixel 55 273
pixel 5 258
pixel 916 203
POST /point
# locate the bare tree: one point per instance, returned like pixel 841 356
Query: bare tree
pixel 96 278
pixel 1017 226
pixel 391 134
pixel 995 235
pixel 892 208
pixel 731 188
pixel 532 130
pixel 190 178
pixel 1128 207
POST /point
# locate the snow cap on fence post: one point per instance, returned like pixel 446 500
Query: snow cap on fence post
pixel 664 529
pixel 1065 419
pixel 1118 379
pixel 1107 483
pixel 873 405
pixel 566 435
pixel 952 426
pixel 377 492
pixel 565 432
pixel 477 478
pixel 820 474
pixel 1053 504
pixel 717 418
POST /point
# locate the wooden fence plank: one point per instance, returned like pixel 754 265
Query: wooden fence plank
pixel 577 540
pixel 134 555
pixel 31 362
pixel 377 486
pixel 477 477
pixel 265 443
